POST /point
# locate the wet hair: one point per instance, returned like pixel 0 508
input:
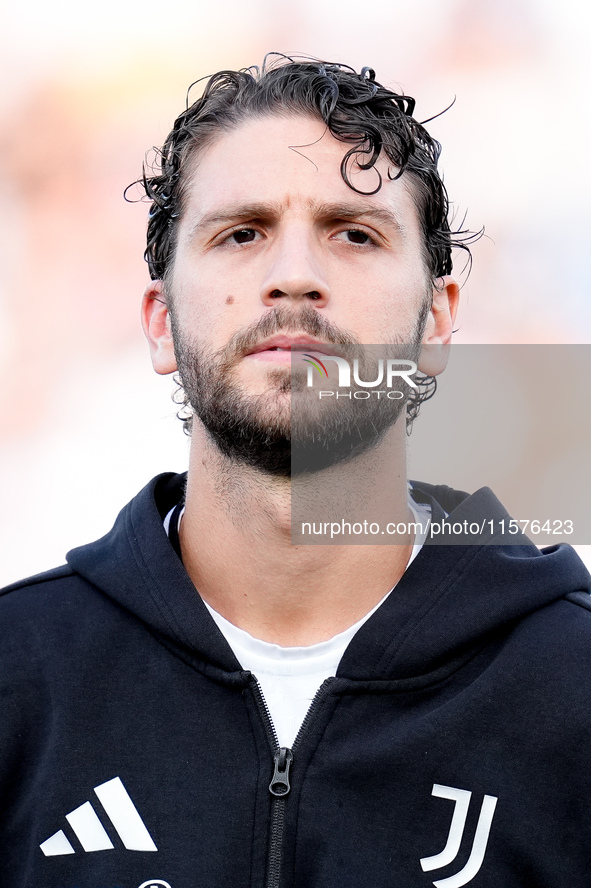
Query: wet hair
pixel 356 109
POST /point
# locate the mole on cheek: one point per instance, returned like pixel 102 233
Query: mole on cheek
pixel 229 300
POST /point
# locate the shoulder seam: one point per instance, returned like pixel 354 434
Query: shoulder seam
pixel 46 577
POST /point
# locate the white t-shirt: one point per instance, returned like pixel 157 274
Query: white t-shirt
pixel 289 677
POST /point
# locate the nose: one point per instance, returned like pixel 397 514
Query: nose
pixel 294 272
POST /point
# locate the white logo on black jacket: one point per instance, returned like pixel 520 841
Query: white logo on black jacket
pixel 91 833
pixel 461 797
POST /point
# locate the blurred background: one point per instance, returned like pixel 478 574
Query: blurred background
pixel 87 89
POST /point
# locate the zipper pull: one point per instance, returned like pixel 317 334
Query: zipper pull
pixel 279 785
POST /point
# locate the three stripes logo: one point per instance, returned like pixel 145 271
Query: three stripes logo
pixel 461 798
pixel 91 833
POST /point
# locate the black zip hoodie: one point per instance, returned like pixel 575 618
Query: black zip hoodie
pixel 451 747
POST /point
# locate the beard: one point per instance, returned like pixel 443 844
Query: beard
pixel 284 431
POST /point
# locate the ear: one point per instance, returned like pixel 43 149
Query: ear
pixel 156 326
pixel 439 327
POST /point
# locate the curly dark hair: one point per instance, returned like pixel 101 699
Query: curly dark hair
pixel 356 109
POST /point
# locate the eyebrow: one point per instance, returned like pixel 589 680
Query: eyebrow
pixel 324 212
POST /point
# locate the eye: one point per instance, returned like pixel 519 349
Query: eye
pixel 355 236
pixel 243 236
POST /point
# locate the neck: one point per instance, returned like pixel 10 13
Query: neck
pixel 236 540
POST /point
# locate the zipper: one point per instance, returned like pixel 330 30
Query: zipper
pixel 279 786
pixel 312 709
pixel 279 781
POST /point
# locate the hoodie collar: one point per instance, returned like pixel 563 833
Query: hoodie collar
pixel 449 599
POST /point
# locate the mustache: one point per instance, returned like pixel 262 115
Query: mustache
pixel 283 320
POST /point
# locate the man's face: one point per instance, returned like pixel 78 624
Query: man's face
pixel 276 254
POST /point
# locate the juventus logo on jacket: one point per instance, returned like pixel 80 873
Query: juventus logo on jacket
pixel 461 798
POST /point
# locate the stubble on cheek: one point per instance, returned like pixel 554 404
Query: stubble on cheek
pixel 258 428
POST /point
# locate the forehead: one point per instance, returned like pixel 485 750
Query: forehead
pixel 291 161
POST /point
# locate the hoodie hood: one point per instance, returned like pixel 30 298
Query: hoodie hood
pixel 451 598
pixel 136 566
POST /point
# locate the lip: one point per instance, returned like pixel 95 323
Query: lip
pixel 297 343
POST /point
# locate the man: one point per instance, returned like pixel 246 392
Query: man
pixel 196 701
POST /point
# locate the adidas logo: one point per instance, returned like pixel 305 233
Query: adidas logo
pixel 91 833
